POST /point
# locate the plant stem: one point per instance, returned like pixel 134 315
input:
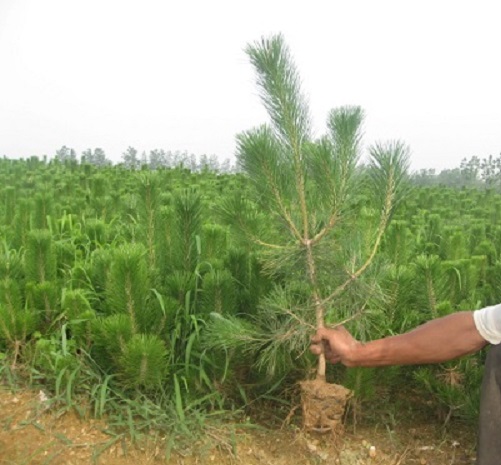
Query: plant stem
pixel 319 308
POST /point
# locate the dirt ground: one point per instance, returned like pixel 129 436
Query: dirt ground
pixel 31 435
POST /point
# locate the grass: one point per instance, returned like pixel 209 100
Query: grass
pixel 131 418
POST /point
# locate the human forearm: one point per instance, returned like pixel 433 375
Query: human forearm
pixel 437 341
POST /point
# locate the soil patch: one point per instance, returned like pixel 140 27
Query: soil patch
pixel 32 434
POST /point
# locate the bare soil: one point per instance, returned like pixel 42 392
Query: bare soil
pixel 30 434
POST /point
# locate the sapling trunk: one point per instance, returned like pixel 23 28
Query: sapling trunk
pixel 319 308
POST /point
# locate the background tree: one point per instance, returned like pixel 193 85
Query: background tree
pixel 66 154
pixel 100 157
pixel 130 158
pixel 157 159
pixel 95 157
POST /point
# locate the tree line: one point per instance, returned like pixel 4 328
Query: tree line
pixel 154 159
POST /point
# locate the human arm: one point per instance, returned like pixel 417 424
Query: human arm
pixel 436 341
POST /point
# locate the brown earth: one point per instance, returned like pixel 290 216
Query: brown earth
pixel 30 434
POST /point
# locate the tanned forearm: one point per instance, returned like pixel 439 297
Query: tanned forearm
pixel 437 341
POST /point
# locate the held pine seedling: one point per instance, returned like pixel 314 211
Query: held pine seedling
pixel 307 190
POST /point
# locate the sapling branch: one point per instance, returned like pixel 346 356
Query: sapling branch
pixel 326 229
pixel 284 213
pixel 383 223
pixel 265 244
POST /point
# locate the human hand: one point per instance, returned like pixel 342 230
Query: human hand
pixel 337 344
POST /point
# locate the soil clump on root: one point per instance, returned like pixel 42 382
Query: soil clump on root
pixel 323 406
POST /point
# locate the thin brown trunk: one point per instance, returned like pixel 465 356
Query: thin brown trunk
pixel 319 308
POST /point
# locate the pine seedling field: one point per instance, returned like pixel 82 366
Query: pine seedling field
pixel 148 278
pixel 192 291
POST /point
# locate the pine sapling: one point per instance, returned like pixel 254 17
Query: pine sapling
pixel 305 188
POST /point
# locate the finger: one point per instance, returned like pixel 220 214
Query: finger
pixel 316 338
pixel 316 349
pixel 323 333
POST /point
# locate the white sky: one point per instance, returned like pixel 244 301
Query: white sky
pixel 173 74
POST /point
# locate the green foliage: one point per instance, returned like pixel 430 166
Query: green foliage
pixel 53 360
pixel 187 210
pixel 40 259
pixel 108 273
pixel 100 265
pixel 43 298
pixel 248 280
pixel 96 231
pixel 111 335
pixel 42 210
pixel 82 329
pixel 179 284
pixel 218 293
pixel 78 312
pixel 16 323
pixel 149 201
pixel 398 286
pixel 398 242
pixel 128 286
pixel 456 386
pixel 272 337
pixel 11 264
pixel 280 88
pixel 430 279
pixel 143 362
pixel 306 190
pixel 214 242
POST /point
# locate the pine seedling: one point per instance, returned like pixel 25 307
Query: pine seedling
pixel 9 198
pixel 250 283
pixel 398 287
pixel 40 258
pixel 74 303
pixel 43 209
pixel 215 242
pixel 305 189
pixel 98 191
pixel 148 195
pixel 80 316
pixel 218 293
pixel 96 231
pixel 21 224
pixel 111 335
pixel 11 264
pixel 16 322
pixel 187 210
pixel 128 286
pixel 143 362
pixel 429 283
pixel 453 245
pixel 42 291
pixel 477 235
pixel 181 225
pixel 493 284
pixel 398 242
pixel 44 298
pixel 178 284
pixel 487 249
pixel 100 265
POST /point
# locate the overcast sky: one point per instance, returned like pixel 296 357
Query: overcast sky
pixel 173 74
